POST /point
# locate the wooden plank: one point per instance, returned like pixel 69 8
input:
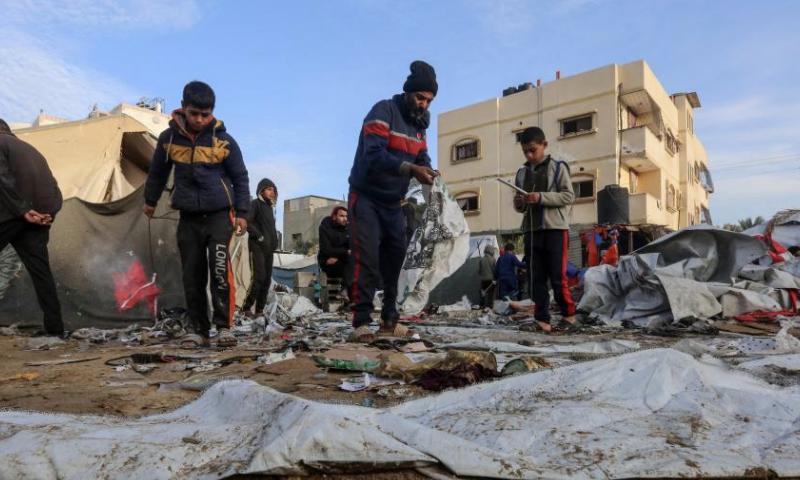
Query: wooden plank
pixel 60 362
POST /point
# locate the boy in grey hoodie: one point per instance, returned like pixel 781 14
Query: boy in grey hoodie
pixel 545 224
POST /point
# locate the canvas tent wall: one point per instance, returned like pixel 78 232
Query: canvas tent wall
pixel 97 160
pixel 465 280
pixel 100 165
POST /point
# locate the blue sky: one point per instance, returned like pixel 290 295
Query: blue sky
pixel 295 79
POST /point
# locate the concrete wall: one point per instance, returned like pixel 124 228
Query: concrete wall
pixel 302 216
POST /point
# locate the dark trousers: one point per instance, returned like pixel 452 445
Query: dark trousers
pixel 203 240
pixel 30 243
pixel 341 270
pixel 547 250
pixel 261 271
pixel 508 287
pixel 378 246
pixel 487 293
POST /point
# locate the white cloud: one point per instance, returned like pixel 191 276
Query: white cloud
pixel 40 58
pixel 104 14
pixel 35 78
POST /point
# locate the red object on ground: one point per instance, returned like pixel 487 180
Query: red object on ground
pixel 775 250
pixel 762 317
pixel 611 256
pixel 769 317
pixel 133 286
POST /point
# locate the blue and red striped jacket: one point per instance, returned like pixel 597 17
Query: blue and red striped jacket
pixel 390 142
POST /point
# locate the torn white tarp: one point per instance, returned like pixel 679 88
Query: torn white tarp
pixel 653 413
pixel 438 248
pixel 697 273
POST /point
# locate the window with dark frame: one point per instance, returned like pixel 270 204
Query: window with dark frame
pixel 583 188
pixel 573 126
pixel 466 150
pixel 671 144
pixel 468 202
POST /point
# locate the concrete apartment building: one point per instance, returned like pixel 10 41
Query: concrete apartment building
pixel 302 216
pixel 613 125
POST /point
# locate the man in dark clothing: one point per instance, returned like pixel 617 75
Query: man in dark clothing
pixel 212 194
pixel 486 275
pixel 29 200
pixel 391 148
pixel 334 245
pixel 262 242
pixel 506 273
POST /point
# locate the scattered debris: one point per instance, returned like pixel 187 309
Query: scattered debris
pixel 21 376
pixel 43 343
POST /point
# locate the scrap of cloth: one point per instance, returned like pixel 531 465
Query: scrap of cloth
pixel 133 286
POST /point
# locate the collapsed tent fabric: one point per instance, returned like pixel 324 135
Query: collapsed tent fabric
pixel 89 244
pixel 97 160
pixel 786 231
pixel 101 165
pixel 437 249
pixel 648 414
pixel 687 274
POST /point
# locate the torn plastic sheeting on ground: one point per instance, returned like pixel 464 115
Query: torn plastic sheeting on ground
pixel 726 252
pixel 681 273
pixel 438 248
pixel 657 411
pixel 608 346
pixel 43 343
pixel 463 305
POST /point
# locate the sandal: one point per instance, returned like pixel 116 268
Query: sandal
pixel 192 340
pixel 568 327
pixel 225 338
pixel 536 326
pixel 399 331
pixel 364 334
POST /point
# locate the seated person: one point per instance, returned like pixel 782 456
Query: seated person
pixel 334 253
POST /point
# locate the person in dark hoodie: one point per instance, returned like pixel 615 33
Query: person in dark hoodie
pixel 262 242
pixel 391 149
pixel 334 245
pixel 29 201
pixel 212 193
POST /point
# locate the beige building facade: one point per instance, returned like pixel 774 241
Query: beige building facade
pixel 302 216
pixel 613 125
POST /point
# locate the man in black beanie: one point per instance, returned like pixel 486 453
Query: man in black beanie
pixel 391 148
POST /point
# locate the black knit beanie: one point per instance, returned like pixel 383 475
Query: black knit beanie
pixel 421 79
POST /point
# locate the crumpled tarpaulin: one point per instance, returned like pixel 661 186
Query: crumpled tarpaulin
pixel 699 272
pixel 653 413
pixel 438 248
